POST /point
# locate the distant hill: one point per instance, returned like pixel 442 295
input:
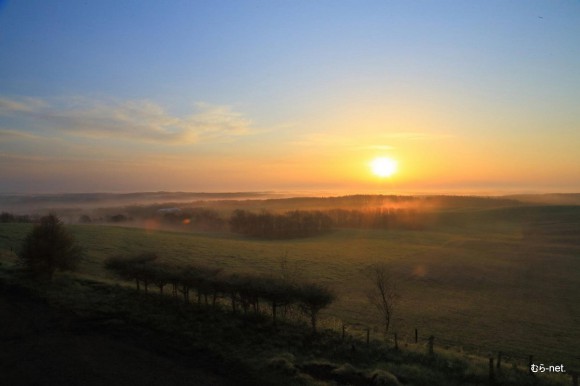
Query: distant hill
pixel 548 199
pixel 20 202
pixel 273 201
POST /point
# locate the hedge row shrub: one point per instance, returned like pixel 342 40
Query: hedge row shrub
pixel 244 292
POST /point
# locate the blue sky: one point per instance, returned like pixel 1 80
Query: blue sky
pixel 265 95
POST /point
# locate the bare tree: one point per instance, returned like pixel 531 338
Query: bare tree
pixel 383 292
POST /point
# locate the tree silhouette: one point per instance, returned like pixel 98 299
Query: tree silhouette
pixel 383 292
pixel 49 247
pixel 312 298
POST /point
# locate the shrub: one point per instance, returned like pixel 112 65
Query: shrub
pixel 346 370
pixel 384 378
pixel 282 365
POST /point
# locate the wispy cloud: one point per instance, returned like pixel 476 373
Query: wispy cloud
pixel 381 141
pixel 415 136
pixel 323 140
pixel 133 120
pixel 7 134
pixel 10 106
pixel 346 142
pixel 377 147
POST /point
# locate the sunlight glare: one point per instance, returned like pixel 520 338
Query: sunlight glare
pixel 383 167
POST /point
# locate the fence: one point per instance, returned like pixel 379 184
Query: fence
pixel 362 333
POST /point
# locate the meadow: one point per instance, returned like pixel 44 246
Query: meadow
pixel 479 280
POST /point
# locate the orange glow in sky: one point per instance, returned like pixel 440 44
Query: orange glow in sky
pixel 237 96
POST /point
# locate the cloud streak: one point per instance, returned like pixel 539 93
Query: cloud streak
pixel 415 136
pixel 143 121
pixel 25 105
pixel 8 135
pixel 378 141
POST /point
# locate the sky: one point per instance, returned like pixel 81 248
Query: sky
pixel 272 95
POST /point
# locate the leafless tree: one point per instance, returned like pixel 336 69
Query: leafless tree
pixel 382 292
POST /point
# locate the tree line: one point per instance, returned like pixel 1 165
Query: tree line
pixel 292 224
pixel 379 218
pixel 6 217
pixel 211 286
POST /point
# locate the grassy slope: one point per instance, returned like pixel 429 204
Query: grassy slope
pixel 48 328
pixel 477 281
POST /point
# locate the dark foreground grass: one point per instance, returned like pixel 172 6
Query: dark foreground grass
pixel 215 346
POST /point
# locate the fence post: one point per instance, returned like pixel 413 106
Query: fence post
pixel 491 374
pixel 431 339
pixel 416 336
pixel 499 355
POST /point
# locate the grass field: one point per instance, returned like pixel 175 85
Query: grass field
pixel 483 281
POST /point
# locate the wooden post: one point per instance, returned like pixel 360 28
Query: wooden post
pixel 491 374
pixel 416 336
pixel 499 355
pixel 396 342
pixel 431 339
pixel 368 335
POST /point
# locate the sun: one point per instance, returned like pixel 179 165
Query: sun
pixel 383 167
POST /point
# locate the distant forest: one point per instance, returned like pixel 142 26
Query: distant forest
pixel 286 218
pixel 6 217
pixel 268 224
pixel 293 224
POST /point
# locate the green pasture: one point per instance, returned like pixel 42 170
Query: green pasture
pixel 481 284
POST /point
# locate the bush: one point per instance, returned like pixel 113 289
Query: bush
pixel 282 365
pixel 346 370
pixel 384 378
pixel 49 247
